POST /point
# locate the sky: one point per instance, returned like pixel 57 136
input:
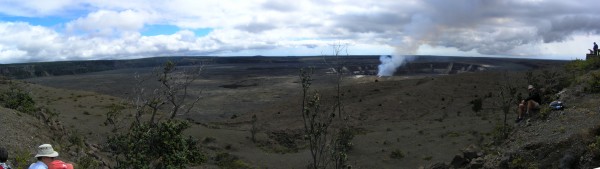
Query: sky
pixel 59 30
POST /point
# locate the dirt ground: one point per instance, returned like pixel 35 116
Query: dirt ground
pixel 428 117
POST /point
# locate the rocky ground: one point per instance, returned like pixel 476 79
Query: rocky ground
pixel 567 138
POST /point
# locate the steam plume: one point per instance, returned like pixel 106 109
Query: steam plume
pixel 389 64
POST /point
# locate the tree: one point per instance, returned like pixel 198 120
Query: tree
pixel 316 122
pixel 254 129
pixel 338 65
pixel 158 142
pixel 329 138
pixel 341 141
pixel 507 95
pixel 173 91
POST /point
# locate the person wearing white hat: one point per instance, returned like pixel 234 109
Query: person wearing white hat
pixel 45 155
pixel 528 104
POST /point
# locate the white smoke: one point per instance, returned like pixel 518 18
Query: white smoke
pixel 389 64
pixel 418 32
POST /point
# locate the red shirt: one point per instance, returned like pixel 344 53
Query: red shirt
pixel 57 164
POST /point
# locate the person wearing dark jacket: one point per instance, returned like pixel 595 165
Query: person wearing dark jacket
pixel 595 49
pixel 3 158
pixel 530 103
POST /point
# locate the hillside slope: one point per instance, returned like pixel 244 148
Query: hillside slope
pixel 568 138
pixel 62 118
pixel 22 133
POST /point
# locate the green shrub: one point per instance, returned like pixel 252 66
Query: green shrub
pixel 209 140
pixel 344 139
pixel 453 134
pixel 228 161
pixel 477 105
pixel 51 115
pixel 87 162
pixel 582 66
pixel 342 145
pixel 20 159
pixel 595 145
pixel 562 129
pixel 397 154
pixel 594 82
pixel 544 112
pixel 500 132
pixel 159 145
pixel 552 83
pixel 520 162
pixel 75 138
pixel 18 99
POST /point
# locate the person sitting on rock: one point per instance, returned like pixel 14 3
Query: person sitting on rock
pixel 532 102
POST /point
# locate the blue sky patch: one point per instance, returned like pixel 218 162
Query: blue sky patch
pixel 202 32
pixel 37 21
pixel 153 30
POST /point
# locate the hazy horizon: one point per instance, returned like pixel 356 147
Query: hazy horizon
pixel 495 57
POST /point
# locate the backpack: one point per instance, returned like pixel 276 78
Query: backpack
pixel 557 105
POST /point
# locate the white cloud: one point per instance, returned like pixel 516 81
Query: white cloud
pixel 36 43
pixel 27 41
pixel 8 54
pixel 111 29
pixel 109 23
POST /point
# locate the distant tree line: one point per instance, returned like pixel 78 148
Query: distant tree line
pixel 41 69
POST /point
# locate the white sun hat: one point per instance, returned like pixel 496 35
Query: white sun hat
pixel 46 150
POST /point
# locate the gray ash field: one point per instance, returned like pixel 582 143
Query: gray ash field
pixel 423 110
